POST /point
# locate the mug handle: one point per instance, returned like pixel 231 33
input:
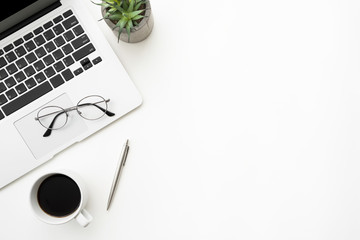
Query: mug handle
pixel 84 218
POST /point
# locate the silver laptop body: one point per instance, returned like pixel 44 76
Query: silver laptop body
pixel 37 75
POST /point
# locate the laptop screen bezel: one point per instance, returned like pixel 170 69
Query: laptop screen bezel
pixel 24 14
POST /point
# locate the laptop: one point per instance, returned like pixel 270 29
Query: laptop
pixel 53 62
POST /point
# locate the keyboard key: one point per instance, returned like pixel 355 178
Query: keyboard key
pixel 59 66
pixel 21 63
pixel 28 36
pixel 3 74
pixel 70 22
pixel 57 81
pixel 20 76
pixel 39 65
pixel 27 98
pixel 30 46
pixel 2 62
pixel 11 94
pixel 2 87
pixel 47 25
pixel 78 71
pixel 86 63
pixel 58 29
pixel 30 57
pixel 38 30
pixel 50 47
pixel 12 68
pixel 58 19
pixel 97 60
pixel 49 60
pixel 67 74
pixel 80 41
pixel 8 47
pixel 30 83
pixel 40 77
pixel 1 115
pixel 58 54
pixel 68 61
pixel 67 49
pixel 20 88
pixel 10 82
pixel 1 52
pixel 39 40
pixel 20 51
pixel 49 34
pixel 3 99
pixel 40 52
pixel 87 66
pixel 68 13
pixel 69 35
pixel 59 41
pixel 49 72
pixel 78 30
pixel 29 71
pixel 10 57
pixel 83 52
pixel 18 42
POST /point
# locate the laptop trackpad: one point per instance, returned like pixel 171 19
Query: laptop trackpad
pixel 32 131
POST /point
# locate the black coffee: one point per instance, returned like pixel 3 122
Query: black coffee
pixel 59 195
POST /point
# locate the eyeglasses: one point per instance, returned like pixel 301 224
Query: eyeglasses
pixel 91 107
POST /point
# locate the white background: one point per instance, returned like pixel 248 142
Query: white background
pixel 250 129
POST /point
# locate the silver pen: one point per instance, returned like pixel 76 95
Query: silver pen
pixel 121 164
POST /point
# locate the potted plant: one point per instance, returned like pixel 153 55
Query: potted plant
pixel 131 20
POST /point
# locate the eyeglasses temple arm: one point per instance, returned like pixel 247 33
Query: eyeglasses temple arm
pixel 107 112
pixel 49 130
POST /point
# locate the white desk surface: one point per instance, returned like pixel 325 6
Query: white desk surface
pixel 250 129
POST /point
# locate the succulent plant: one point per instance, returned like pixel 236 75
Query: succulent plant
pixel 124 13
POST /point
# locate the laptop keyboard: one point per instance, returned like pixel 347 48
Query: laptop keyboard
pixel 39 62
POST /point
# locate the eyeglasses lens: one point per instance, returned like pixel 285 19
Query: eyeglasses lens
pixel 92 107
pixel 52 117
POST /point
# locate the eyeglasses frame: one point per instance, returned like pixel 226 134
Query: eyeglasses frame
pixel 66 110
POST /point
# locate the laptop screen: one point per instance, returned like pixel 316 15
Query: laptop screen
pixel 13 12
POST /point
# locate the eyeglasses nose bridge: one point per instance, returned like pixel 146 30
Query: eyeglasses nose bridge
pixel 66 110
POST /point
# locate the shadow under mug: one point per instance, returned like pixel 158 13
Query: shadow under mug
pixel 48 182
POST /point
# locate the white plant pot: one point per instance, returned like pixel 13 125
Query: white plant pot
pixel 138 33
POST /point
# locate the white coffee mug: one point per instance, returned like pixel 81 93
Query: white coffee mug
pixel 80 214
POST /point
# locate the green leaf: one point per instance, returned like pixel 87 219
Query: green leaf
pixel 99 4
pixel 125 4
pixel 130 24
pixel 118 7
pixel 131 6
pixel 106 15
pixel 133 14
pixel 128 32
pixel 137 17
pixel 121 24
pixel 106 5
pixel 120 30
pixel 115 17
pixel 138 5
